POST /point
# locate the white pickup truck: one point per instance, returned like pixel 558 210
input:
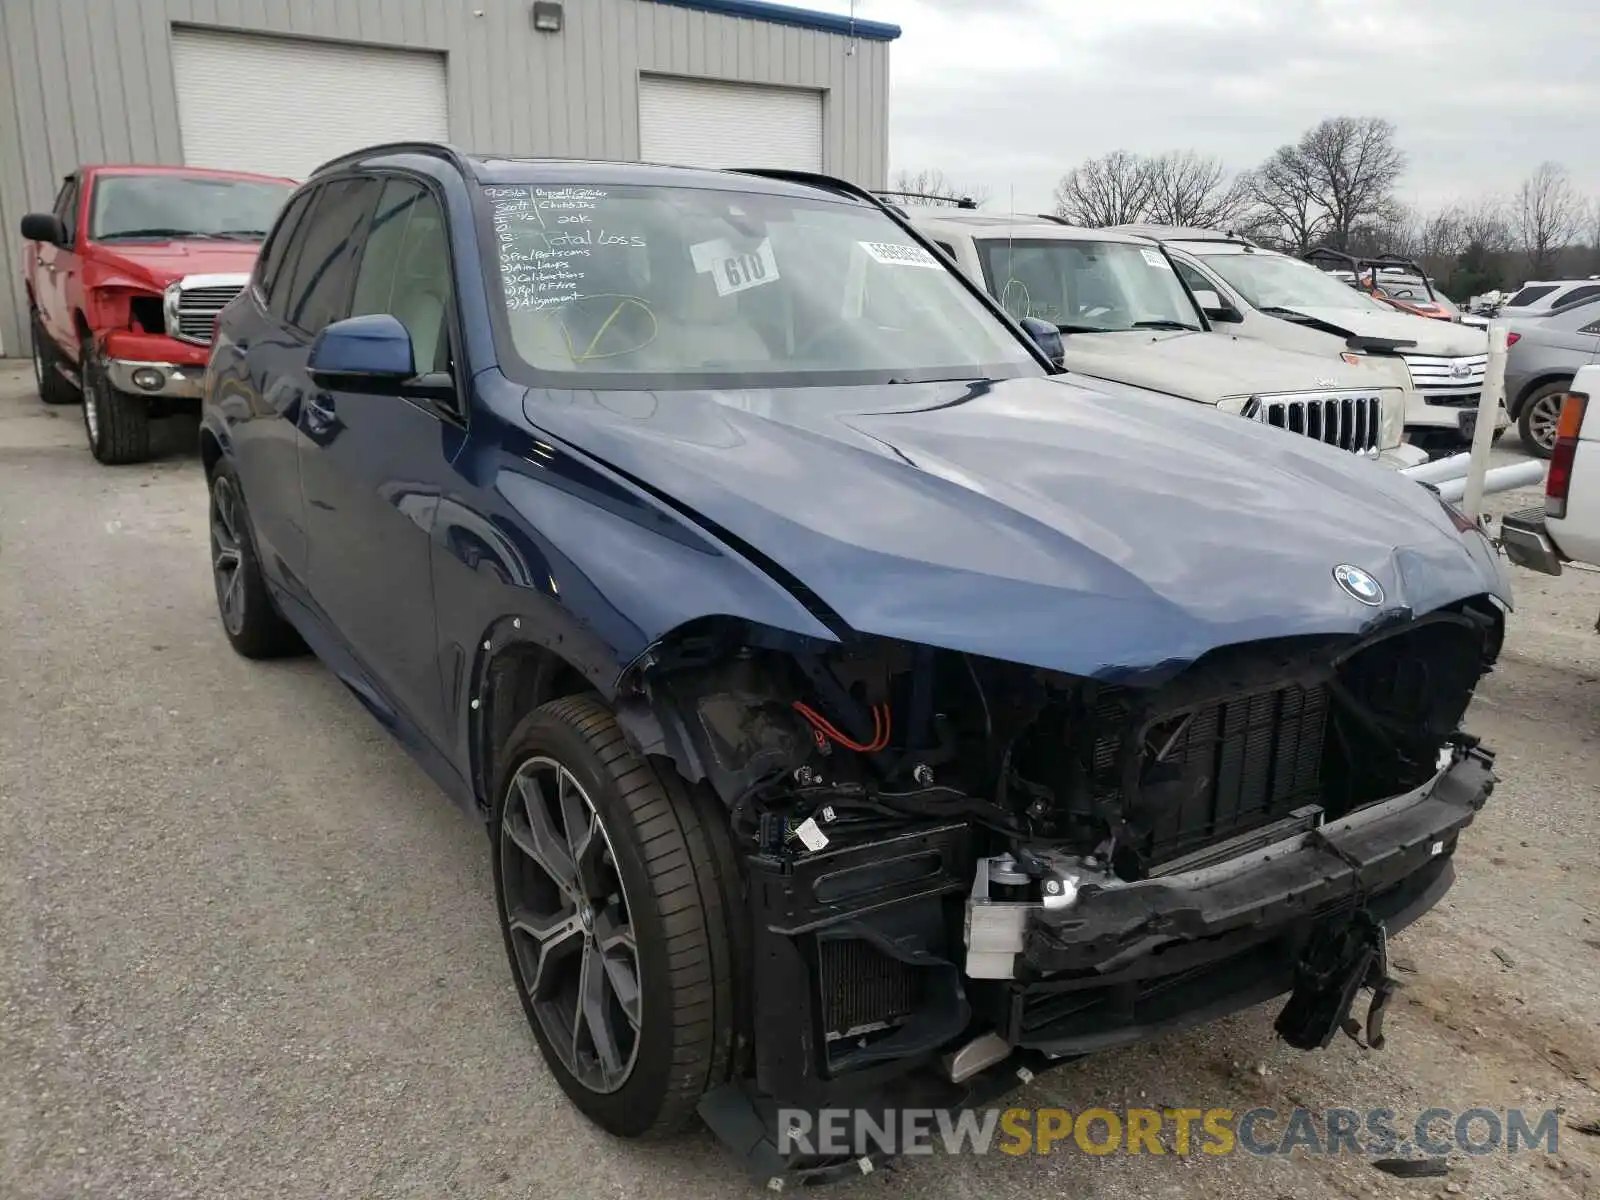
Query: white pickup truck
pixel 1567 528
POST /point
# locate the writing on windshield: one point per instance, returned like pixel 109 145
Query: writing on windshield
pixel 685 282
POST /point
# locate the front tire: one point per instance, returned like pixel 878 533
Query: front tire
pixel 610 888
pixel 54 388
pixel 253 624
pixel 1537 421
pixel 117 425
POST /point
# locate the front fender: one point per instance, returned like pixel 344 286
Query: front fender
pixel 541 545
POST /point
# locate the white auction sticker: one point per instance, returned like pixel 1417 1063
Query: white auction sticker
pixel 895 254
pixel 734 270
pixel 1155 259
pixel 809 833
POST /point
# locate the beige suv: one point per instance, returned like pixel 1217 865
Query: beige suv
pixel 1126 316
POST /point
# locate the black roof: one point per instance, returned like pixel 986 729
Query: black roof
pixel 511 169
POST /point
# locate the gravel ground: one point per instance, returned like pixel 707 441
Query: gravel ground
pixel 250 950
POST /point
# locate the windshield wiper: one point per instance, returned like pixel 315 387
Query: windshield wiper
pixel 1083 329
pixel 1288 314
pixel 1165 325
pixel 153 232
pixel 238 235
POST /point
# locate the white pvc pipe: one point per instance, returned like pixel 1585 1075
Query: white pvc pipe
pixel 1489 403
pixel 1439 469
pixel 1500 479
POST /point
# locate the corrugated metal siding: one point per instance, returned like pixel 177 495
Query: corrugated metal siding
pixel 92 81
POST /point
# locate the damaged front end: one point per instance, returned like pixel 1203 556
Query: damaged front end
pixel 956 865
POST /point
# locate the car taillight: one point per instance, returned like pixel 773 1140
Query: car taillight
pixel 1512 339
pixel 1559 482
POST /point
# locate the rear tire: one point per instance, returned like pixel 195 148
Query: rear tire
pixel 1536 421
pixel 653 869
pixel 54 388
pixel 117 425
pixel 252 622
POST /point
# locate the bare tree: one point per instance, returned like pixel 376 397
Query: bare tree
pixel 930 181
pixel 1487 224
pixel 1594 236
pixel 1352 168
pixel 1112 190
pixel 1339 176
pixel 1190 189
pixel 1285 214
pixel 1550 216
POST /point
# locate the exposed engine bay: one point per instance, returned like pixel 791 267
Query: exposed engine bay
pixel 949 858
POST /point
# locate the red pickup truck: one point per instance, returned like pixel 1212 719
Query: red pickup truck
pixel 125 277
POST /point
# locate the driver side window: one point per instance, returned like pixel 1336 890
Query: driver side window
pixel 1192 278
pixel 405 271
pixel 67 208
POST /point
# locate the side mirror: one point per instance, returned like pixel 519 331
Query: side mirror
pixel 1215 310
pixel 1046 336
pixel 44 227
pixel 369 353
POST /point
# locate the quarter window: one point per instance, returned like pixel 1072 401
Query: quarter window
pixel 320 288
pixel 405 271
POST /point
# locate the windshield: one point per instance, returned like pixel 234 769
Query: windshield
pixel 1086 287
pixel 129 207
pixel 1269 280
pixel 633 287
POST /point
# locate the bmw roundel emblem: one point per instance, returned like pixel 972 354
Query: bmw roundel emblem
pixel 1359 584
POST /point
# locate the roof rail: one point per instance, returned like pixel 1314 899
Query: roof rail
pixel 966 202
pixel 817 179
pixel 1053 218
pixel 437 149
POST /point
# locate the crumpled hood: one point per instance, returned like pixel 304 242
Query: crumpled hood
pixel 154 265
pixel 1431 336
pixel 1209 367
pixel 1032 520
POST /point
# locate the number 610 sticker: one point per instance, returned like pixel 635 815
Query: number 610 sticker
pixel 735 270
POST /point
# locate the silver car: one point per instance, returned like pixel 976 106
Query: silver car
pixel 1543 297
pixel 1545 353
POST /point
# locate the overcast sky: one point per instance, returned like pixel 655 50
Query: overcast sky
pixel 1010 93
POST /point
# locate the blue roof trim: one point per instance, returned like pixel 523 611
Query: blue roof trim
pixel 782 14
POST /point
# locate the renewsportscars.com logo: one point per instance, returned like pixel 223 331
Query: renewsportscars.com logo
pixel 1264 1132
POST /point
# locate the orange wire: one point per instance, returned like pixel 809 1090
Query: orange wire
pixel 881 724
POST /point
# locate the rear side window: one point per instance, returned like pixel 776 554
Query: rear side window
pixel 1579 296
pixel 1529 295
pixel 319 289
pixel 276 251
pixel 405 271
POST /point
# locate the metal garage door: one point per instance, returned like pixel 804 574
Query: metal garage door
pixel 706 123
pixel 282 106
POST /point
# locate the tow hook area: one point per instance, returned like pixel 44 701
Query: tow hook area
pixel 1344 955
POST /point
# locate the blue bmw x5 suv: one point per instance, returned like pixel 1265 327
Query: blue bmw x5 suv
pixel 859 709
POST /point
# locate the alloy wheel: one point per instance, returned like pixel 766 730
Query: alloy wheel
pixel 571 926
pixel 226 558
pixel 1544 418
pixel 38 364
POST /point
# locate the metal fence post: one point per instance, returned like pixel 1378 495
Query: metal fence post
pixel 1493 396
